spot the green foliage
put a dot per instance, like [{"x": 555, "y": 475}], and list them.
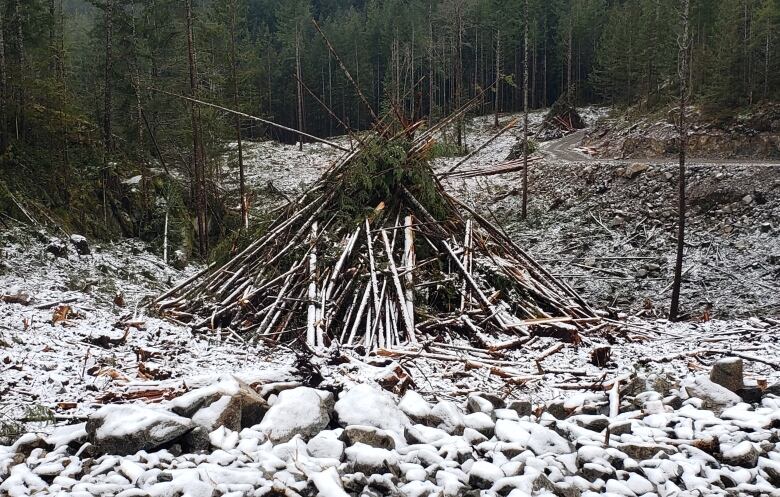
[
  {"x": 444, "y": 149},
  {"x": 378, "y": 174}
]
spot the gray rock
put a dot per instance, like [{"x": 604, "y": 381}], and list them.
[
  {"x": 727, "y": 372},
  {"x": 368, "y": 435},
  {"x": 593, "y": 471},
  {"x": 446, "y": 416},
  {"x": 326, "y": 447},
  {"x": 557, "y": 409},
  {"x": 643, "y": 451},
  {"x": 365, "y": 405},
  {"x": 483, "y": 475},
  {"x": 126, "y": 429},
  {"x": 594, "y": 422},
  {"x": 713, "y": 396},
  {"x": 522, "y": 407},
  {"x": 620, "y": 427},
  {"x": 482, "y": 402},
  {"x": 230, "y": 403},
  {"x": 57, "y": 248},
  {"x": 80, "y": 244},
  {"x": 415, "y": 406},
  {"x": 480, "y": 422},
  {"x": 370, "y": 460},
  {"x": 301, "y": 411},
  {"x": 743, "y": 454}
]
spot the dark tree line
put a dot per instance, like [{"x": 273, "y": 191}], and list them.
[{"x": 76, "y": 73}]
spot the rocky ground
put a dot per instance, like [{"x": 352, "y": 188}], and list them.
[
  {"x": 109, "y": 399},
  {"x": 649, "y": 437}
]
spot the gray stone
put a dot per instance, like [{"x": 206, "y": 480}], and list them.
[
  {"x": 230, "y": 403},
  {"x": 634, "y": 170},
  {"x": 643, "y": 451},
  {"x": 743, "y": 454},
  {"x": 370, "y": 460},
  {"x": 80, "y": 244},
  {"x": 595, "y": 423},
  {"x": 620, "y": 427},
  {"x": 727, "y": 372},
  {"x": 368, "y": 435},
  {"x": 480, "y": 422},
  {"x": 557, "y": 409},
  {"x": 301, "y": 411},
  {"x": 713, "y": 396},
  {"x": 126, "y": 429},
  {"x": 522, "y": 407},
  {"x": 446, "y": 416}
]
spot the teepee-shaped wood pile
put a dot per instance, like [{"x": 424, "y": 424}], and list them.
[{"x": 377, "y": 254}]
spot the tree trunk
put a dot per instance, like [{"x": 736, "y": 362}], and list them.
[
  {"x": 21, "y": 104},
  {"x": 674, "y": 310},
  {"x": 198, "y": 166},
  {"x": 109, "y": 20},
  {"x": 431, "y": 100},
  {"x": 3, "y": 119},
  {"x": 496, "y": 104},
  {"x": 525, "y": 113},
  {"x": 299, "y": 87},
  {"x": 234, "y": 67},
  {"x": 544, "y": 65}
]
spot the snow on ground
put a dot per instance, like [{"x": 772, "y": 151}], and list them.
[{"x": 75, "y": 336}]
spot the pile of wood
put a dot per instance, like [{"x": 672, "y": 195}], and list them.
[{"x": 375, "y": 255}]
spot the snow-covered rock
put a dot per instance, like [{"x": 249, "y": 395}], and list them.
[
  {"x": 126, "y": 429},
  {"x": 301, "y": 411},
  {"x": 366, "y": 405},
  {"x": 727, "y": 372},
  {"x": 446, "y": 416},
  {"x": 742, "y": 454},
  {"x": 484, "y": 474},
  {"x": 371, "y": 460},
  {"x": 229, "y": 402},
  {"x": 369, "y": 435},
  {"x": 539, "y": 439},
  {"x": 415, "y": 406},
  {"x": 712, "y": 395}
]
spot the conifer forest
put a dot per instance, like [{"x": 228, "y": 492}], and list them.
[{"x": 413, "y": 248}]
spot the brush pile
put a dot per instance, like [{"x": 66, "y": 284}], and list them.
[
  {"x": 561, "y": 120},
  {"x": 376, "y": 255}
]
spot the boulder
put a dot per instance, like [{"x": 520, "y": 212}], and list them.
[
  {"x": 57, "y": 248},
  {"x": 368, "y": 435},
  {"x": 641, "y": 451},
  {"x": 415, "y": 406},
  {"x": 480, "y": 422},
  {"x": 727, "y": 372},
  {"x": 634, "y": 170},
  {"x": 365, "y": 405},
  {"x": 713, "y": 396},
  {"x": 743, "y": 454},
  {"x": 80, "y": 244},
  {"x": 537, "y": 438},
  {"x": 446, "y": 416},
  {"x": 126, "y": 429},
  {"x": 230, "y": 403},
  {"x": 483, "y": 475},
  {"x": 326, "y": 445},
  {"x": 301, "y": 411},
  {"x": 369, "y": 460},
  {"x": 522, "y": 407}
]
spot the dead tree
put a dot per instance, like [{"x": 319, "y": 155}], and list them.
[
  {"x": 234, "y": 68},
  {"x": 198, "y": 166},
  {"x": 107, "y": 95},
  {"x": 525, "y": 113},
  {"x": 682, "y": 125},
  {"x": 299, "y": 88},
  {"x": 498, "y": 77}
]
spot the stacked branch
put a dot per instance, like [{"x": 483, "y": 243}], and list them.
[{"x": 376, "y": 255}]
